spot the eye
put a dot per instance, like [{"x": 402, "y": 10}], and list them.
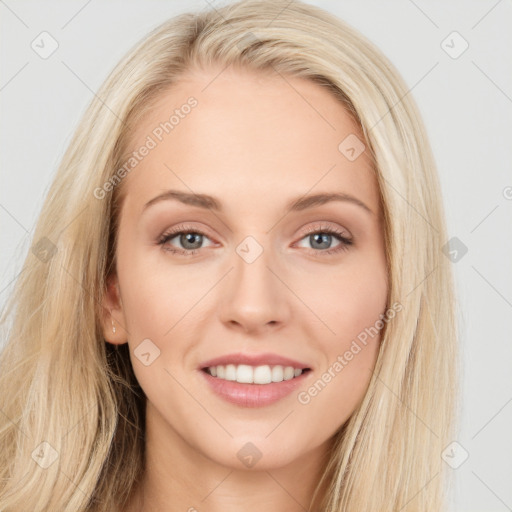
[
  {"x": 190, "y": 239},
  {"x": 320, "y": 237}
]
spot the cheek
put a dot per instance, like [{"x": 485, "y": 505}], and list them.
[
  {"x": 358, "y": 335},
  {"x": 350, "y": 303},
  {"x": 350, "y": 355},
  {"x": 347, "y": 299},
  {"x": 156, "y": 295},
  {"x": 361, "y": 301}
]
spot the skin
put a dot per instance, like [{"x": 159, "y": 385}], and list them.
[{"x": 255, "y": 141}]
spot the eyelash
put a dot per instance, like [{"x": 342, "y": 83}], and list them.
[{"x": 345, "y": 242}]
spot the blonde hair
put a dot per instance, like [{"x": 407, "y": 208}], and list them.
[{"x": 63, "y": 385}]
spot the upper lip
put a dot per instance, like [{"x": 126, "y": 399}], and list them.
[{"x": 253, "y": 360}]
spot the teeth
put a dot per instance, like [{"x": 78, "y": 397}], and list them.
[
  {"x": 277, "y": 374},
  {"x": 262, "y": 375},
  {"x": 230, "y": 372},
  {"x": 246, "y": 374}
]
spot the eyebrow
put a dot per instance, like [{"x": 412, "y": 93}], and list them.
[{"x": 211, "y": 203}]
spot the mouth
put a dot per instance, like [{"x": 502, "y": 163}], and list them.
[
  {"x": 248, "y": 374},
  {"x": 251, "y": 386}
]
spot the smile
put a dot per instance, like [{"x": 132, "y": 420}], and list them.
[{"x": 247, "y": 374}]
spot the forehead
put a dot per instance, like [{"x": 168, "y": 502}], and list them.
[{"x": 251, "y": 135}]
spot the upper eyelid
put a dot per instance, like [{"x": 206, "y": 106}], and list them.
[{"x": 319, "y": 228}]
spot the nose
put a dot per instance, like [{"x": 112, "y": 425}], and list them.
[{"x": 254, "y": 297}]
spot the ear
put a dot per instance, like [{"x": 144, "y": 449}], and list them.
[{"x": 113, "y": 314}]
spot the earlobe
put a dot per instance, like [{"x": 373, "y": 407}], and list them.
[{"x": 113, "y": 320}]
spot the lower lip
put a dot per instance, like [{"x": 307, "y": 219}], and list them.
[{"x": 253, "y": 395}]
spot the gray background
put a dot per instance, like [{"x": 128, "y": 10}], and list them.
[{"x": 465, "y": 102}]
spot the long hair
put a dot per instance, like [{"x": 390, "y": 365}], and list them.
[{"x": 72, "y": 414}]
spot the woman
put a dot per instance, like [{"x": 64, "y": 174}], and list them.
[{"x": 179, "y": 340}]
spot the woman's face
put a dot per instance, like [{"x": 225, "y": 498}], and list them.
[{"x": 249, "y": 275}]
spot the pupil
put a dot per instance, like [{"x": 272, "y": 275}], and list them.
[
  {"x": 189, "y": 239},
  {"x": 323, "y": 238}
]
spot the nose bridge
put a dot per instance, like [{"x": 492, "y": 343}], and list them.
[
  {"x": 254, "y": 296},
  {"x": 252, "y": 277},
  {"x": 251, "y": 265}
]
